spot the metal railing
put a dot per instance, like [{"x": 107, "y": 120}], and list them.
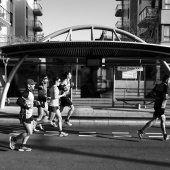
[
  {"x": 37, "y": 7},
  {"x": 37, "y": 25},
  {"x": 4, "y": 14},
  {"x": 9, "y": 39},
  {"x": 148, "y": 12}
]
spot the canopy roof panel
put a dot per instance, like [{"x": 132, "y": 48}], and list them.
[{"x": 102, "y": 49}]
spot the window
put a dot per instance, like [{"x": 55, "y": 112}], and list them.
[
  {"x": 26, "y": 31},
  {"x": 11, "y": 18},
  {"x": 27, "y": 12},
  {"x": 167, "y": 4},
  {"x": 166, "y": 33}
]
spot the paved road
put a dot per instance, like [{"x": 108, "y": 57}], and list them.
[{"x": 87, "y": 148}]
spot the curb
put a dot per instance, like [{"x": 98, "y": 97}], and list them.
[{"x": 94, "y": 122}]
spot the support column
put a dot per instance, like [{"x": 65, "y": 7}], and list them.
[
  {"x": 113, "y": 92},
  {"x": 8, "y": 82},
  {"x": 165, "y": 65}
]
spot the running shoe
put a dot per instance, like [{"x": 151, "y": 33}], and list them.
[
  {"x": 53, "y": 124},
  {"x": 166, "y": 137},
  {"x": 12, "y": 142},
  {"x": 140, "y": 133},
  {"x": 67, "y": 123},
  {"x": 63, "y": 134},
  {"x": 36, "y": 130},
  {"x": 41, "y": 128},
  {"x": 24, "y": 148}
]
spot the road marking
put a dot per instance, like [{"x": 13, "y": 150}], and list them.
[
  {"x": 88, "y": 135},
  {"x": 13, "y": 134},
  {"x": 155, "y": 136},
  {"x": 153, "y": 133},
  {"x": 87, "y": 132},
  {"x": 120, "y": 132},
  {"x": 128, "y": 136}
]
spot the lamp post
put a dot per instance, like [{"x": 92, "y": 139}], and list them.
[{"x": 5, "y": 61}]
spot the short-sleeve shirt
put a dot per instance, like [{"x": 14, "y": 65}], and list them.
[
  {"x": 29, "y": 99},
  {"x": 160, "y": 90}
]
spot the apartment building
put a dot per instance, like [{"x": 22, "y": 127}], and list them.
[
  {"x": 7, "y": 24},
  {"x": 149, "y": 20},
  {"x": 19, "y": 21},
  {"x": 18, "y": 24},
  {"x": 27, "y": 25}
]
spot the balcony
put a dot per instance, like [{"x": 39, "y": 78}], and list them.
[
  {"x": 4, "y": 17},
  {"x": 37, "y": 11},
  {"x": 119, "y": 24},
  {"x": 119, "y": 10},
  {"x": 147, "y": 17},
  {"x": 10, "y": 39},
  {"x": 37, "y": 26}
]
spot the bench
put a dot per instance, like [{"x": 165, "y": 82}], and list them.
[{"x": 137, "y": 101}]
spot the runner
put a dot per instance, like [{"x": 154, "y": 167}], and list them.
[
  {"x": 42, "y": 102},
  {"x": 54, "y": 104},
  {"x": 26, "y": 104},
  {"x": 161, "y": 91},
  {"x": 65, "y": 101}
]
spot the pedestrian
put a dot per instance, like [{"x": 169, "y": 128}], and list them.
[
  {"x": 54, "y": 104},
  {"x": 161, "y": 92},
  {"x": 65, "y": 100},
  {"x": 25, "y": 116},
  {"x": 42, "y": 104}
]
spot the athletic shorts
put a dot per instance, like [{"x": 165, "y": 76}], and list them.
[
  {"x": 53, "y": 108},
  {"x": 28, "y": 120},
  {"x": 65, "y": 101},
  {"x": 158, "y": 111}
]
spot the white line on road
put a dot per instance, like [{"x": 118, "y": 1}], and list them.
[
  {"x": 13, "y": 134},
  {"x": 128, "y": 136},
  {"x": 153, "y": 133},
  {"x": 87, "y": 132},
  {"x": 88, "y": 135},
  {"x": 120, "y": 132},
  {"x": 155, "y": 136}
]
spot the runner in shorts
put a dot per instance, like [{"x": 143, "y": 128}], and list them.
[
  {"x": 161, "y": 92},
  {"x": 42, "y": 102},
  {"x": 25, "y": 117},
  {"x": 65, "y": 101},
  {"x": 54, "y": 104}
]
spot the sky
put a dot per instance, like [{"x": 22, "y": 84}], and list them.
[{"x": 60, "y": 14}]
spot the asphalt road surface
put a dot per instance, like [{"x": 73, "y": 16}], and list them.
[{"x": 87, "y": 148}]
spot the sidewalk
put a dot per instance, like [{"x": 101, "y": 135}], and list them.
[{"x": 86, "y": 115}]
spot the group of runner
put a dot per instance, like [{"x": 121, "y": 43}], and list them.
[{"x": 59, "y": 98}]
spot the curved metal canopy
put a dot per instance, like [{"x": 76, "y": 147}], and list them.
[
  {"x": 111, "y": 50},
  {"x": 115, "y": 49}
]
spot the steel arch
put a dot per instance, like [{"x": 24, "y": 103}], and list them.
[{"x": 69, "y": 30}]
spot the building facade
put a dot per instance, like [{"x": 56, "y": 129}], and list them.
[{"x": 19, "y": 23}]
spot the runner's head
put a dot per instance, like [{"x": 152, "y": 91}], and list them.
[
  {"x": 30, "y": 83},
  {"x": 165, "y": 78},
  {"x": 67, "y": 75},
  {"x": 44, "y": 78}
]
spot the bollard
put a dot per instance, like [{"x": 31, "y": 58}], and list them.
[{"x": 138, "y": 106}]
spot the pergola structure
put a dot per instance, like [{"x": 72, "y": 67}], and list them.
[{"x": 116, "y": 50}]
